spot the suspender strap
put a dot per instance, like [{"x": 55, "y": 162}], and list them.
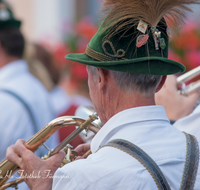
[
  {"x": 25, "y": 105},
  {"x": 191, "y": 163},
  {"x": 144, "y": 159}
]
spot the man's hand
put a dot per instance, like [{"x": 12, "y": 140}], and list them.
[
  {"x": 176, "y": 105},
  {"x": 82, "y": 149},
  {"x": 38, "y": 173}
]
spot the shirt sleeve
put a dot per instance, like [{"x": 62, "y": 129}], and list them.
[{"x": 190, "y": 124}]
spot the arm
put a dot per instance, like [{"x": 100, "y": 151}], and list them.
[
  {"x": 176, "y": 105},
  {"x": 31, "y": 166}
]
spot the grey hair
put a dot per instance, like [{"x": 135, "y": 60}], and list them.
[{"x": 145, "y": 84}]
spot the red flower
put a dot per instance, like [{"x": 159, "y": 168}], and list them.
[
  {"x": 193, "y": 59},
  {"x": 86, "y": 29},
  {"x": 174, "y": 56},
  {"x": 59, "y": 55}
]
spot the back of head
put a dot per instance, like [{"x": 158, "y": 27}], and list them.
[
  {"x": 145, "y": 84},
  {"x": 12, "y": 42},
  {"x": 11, "y": 38}
]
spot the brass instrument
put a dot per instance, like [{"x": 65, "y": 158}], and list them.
[
  {"x": 188, "y": 89},
  {"x": 41, "y": 136},
  {"x": 85, "y": 135}
]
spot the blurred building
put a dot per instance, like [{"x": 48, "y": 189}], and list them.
[{"x": 49, "y": 19}]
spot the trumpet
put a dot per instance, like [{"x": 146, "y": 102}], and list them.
[
  {"x": 188, "y": 89},
  {"x": 41, "y": 136}
]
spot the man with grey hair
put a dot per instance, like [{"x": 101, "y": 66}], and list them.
[{"x": 137, "y": 148}]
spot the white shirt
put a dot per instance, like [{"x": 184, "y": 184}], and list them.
[
  {"x": 190, "y": 123},
  {"x": 110, "y": 168},
  {"x": 15, "y": 121},
  {"x": 62, "y": 102}
]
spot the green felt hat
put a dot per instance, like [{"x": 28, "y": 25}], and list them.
[
  {"x": 7, "y": 19},
  {"x": 131, "y": 50}
]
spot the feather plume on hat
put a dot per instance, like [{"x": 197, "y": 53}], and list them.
[
  {"x": 134, "y": 37},
  {"x": 124, "y": 14}
]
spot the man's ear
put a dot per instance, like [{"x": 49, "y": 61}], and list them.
[
  {"x": 162, "y": 82},
  {"x": 102, "y": 77}
]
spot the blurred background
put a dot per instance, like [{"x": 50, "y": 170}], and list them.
[
  {"x": 44, "y": 19},
  {"x": 185, "y": 41},
  {"x": 61, "y": 26},
  {"x": 52, "y": 29}
]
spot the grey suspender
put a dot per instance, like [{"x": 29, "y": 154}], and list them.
[
  {"x": 190, "y": 168},
  {"x": 144, "y": 159},
  {"x": 191, "y": 163},
  {"x": 35, "y": 130}
]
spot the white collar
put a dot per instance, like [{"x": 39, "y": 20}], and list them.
[
  {"x": 197, "y": 109},
  {"x": 132, "y": 115},
  {"x": 12, "y": 69}
]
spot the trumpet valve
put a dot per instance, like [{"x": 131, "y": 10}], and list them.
[
  {"x": 45, "y": 157},
  {"x": 182, "y": 88},
  {"x": 70, "y": 154}
]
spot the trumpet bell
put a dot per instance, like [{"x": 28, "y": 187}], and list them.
[
  {"x": 84, "y": 112},
  {"x": 181, "y": 80}
]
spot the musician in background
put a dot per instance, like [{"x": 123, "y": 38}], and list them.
[
  {"x": 41, "y": 65},
  {"x": 74, "y": 83},
  {"x": 180, "y": 108},
  {"x": 127, "y": 64},
  {"x": 25, "y": 105}
]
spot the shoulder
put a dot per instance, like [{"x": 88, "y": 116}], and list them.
[
  {"x": 190, "y": 124},
  {"x": 27, "y": 86},
  {"x": 10, "y": 102},
  {"x": 13, "y": 113}
]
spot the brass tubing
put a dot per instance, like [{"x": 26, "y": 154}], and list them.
[
  {"x": 40, "y": 137},
  {"x": 65, "y": 141},
  {"x": 74, "y": 134},
  {"x": 189, "y": 75}
]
